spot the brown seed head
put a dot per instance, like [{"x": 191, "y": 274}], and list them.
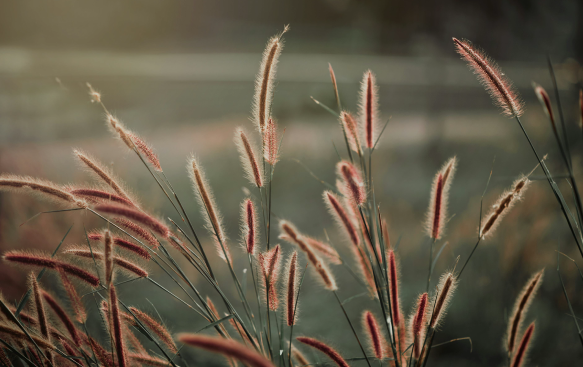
[
  {"x": 270, "y": 262},
  {"x": 249, "y": 227},
  {"x": 437, "y": 212},
  {"x": 520, "y": 356},
  {"x": 520, "y": 308},
  {"x": 138, "y": 231},
  {"x": 135, "y": 216},
  {"x": 226, "y": 347},
  {"x": 160, "y": 330},
  {"x": 293, "y": 285},
  {"x": 116, "y": 323},
  {"x": 210, "y": 211},
  {"x": 324, "y": 348},
  {"x": 44, "y": 189},
  {"x": 45, "y": 261},
  {"x": 122, "y": 263},
  {"x": 264, "y": 81},
  {"x": 341, "y": 217},
  {"x": 63, "y": 317},
  {"x": 418, "y": 324},
  {"x": 351, "y": 130},
  {"x": 146, "y": 151},
  {"x": 376, "y": 339},
  {"x": 248, "y": 158},
  {"x": 271, "y": 143},
  {"x": 353, "y": 180},
  {"x": 103, "y": 173},
  {"x": 445, "y": 290},
  {"x": 292, "y": 235},
  {"x": 369, "y": 108},
  {"x": 503, "y": 206},
  {"x": 491, "y": 77}
]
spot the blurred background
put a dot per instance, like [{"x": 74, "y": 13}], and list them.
[{"x": 181, "y": 74}]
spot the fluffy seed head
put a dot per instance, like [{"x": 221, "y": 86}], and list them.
[
  {"x": 74, "y": 298},
  {"x": 120, "y": 347},
  {"x": 136, "y": 216},
  {"x": 369, "y": 108},
  {"x": 45, "y": 261},
  {"x": 437, "y": 212},
  {"x": 491, "y": 77},
  {"x": 226, "y": 347},
  {"x": 341, "y": 217},
  {"x": 96, "y": 196},
  {"x": 351, "y": 130},
  {"x": 503, "y": 206},
  {"x": 18, "y": 335},
  {"x": 520, "y": 356},
  {"x": 418, "y": 324},
  {"x": 292, "y": 235},
  {"x": 324, "y": 249},
  {"x": 119, "y": 130},
  {"x": 248, "y": 158},
  {"x": 39, "y": 306},
  {"x": 138, "y": 231},
  {"x": 123, "y": 243},
  {"x": 271, "y": 143},
  {"x": 104, "y": 174},
  {"x": 121, "y": 263},
  {"x": 108, "y": 257},
  {"x": 394, "y": 288},
  {"x": 299, "y": 357},
  {"x": 324, "y": 348},
  {"x": 209, "y": 211},
  {"x": 160, "y": 330},
  {"x": 264, "y": 81},
  {"x": 545, "y": 101},
  {"x": 146, "y": 150},
  {"x": 63, "y": 317},
  {"x": 270, "y": 262},
  {"x": 520, "y": 308},
  {"x": 44, "y": 189},
  {"x": 293, "y": 285},
  {"x": 445, "y": 290},
  {"x": 376, "y": 339},
  {"x": 249, "y": 227},
  {"x": 353, "y": 180}
]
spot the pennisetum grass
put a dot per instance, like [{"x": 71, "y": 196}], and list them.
[
  {"x": 520, "y": 308},
  {"x": 377, "y": 342},
  {"x": 292, "y": 290},
  {"x": 229, "y": 348},
  {"x": 133, "y": 236},
  {"x": 324, "y": 348},
  {"x": 520, "y": 356}
]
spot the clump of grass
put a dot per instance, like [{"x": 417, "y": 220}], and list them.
[{"x": 264, "y": 331}]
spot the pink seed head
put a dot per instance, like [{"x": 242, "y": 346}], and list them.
[
  {"x": 491, "y": 77},
  {"x": 353, "y": 180}
]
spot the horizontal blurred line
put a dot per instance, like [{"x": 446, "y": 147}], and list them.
[{"x": 242, "y": 67}]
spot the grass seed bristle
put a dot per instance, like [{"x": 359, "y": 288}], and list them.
[
  {"x": 209, "y": 211},
  {"x": 491, "y": 77},
  {"x": 521, "y": 306},
  {"x": 324, "y": 348},
  {"x": 248, "y": 158},
  {"x": 226, "y": 347},
  {"x": 292, "y": 235}
]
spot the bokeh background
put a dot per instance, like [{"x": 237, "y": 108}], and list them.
[{"x": 181, "y": 73}]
